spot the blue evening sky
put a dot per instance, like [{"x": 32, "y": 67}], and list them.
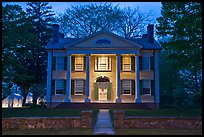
[{"x": 60, "y": 7}]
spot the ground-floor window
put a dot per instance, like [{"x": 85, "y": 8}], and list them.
[
  {"x": 78, "y": 86},
  {"x": 126, "y": 87},
  {"x": 59, "y": 86},
  {"x": 146, "y": 86}
]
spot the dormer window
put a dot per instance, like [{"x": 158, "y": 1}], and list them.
[{"x": 103, "y": 41}]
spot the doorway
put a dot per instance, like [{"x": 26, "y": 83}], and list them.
[{"x": 103, "y": 89}]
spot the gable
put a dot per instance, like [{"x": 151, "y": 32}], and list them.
[{"x": 103, "y": 39}]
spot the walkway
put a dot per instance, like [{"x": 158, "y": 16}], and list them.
[{"x": 103, "y": 124}]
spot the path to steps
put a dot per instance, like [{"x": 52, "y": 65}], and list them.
[{"x": 103, "y": 124}]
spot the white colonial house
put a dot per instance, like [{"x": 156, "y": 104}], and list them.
[{"x": 103, "y": 68}]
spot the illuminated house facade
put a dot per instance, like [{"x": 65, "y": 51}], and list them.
[{"x": 103, "y": 67}]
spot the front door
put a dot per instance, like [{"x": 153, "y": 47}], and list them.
[{"x": 102, "y": 91}]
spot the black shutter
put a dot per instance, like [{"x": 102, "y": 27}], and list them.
[
  {"x": 65, "y": 63},
  {"x": 141, "y": 87},
  {"x": 53, "y": 87},
  {"x": 121, "y": 62},
  {"x": 133, "y": 87},
  {"x": 53, "y": 62},
  {"x": 152, "y": 88},
  {"x": 84, "y": 63},
  {"x": 132, "y": 63},
  {"x": 73, "y": 63},
  {"x": 152, "y": 63},
  {"x": 84, "y": 87},
  {"x": 121, "y": 87},
  {"x": 72, "y": 86},
  {"x": 65, "y": 87},
  {"x": 140, "y": 62}
]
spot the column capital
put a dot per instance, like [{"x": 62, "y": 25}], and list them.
[{"x": 87, "y": 54}]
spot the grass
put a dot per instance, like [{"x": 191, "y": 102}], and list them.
[
  {"x": 139, "y": 131},
  {"x": 70, "y": 131},
  {"x": 42, "y": 112},
  {"x": 172, "y": 112}
]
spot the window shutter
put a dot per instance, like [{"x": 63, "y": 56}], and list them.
[
  {"x": 84, "y": 87},
  {"x": 53, "y": 87},
  {"x": 72, "y": 63},
  {"x": 133, "y": 87},
  {"x": 152, "y": 88},
  {"x": 121, "y": 87},
  {"x": 65, "y": 87},
  {"x": 96, "y": 90},
  {"x": 152, "y": 63},
  {"x": 53, "y": 62},
  {"x": 65, "y": 63},
  {"x": 109, "y": 86},
  {"x": 84, "y": 63},
  {"x": 121, "y": 62},
  {"x": 140, "y": 62},
  {"x": 72, "y": 86},
  {"x": 141, "y": 87},
  {"x": 132, "y": 63}
]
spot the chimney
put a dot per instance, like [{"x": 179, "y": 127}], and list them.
[
  {"x": 150, "y": 33},
  {"x": 55, "y": 32}
]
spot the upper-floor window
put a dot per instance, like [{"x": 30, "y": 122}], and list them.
[
  {"x": 59, "y": 86},
  {"x": 126, "y": 63},
  {"x": 146, "y": 86},
  {"x": 103, "y": 41},
  {"x": 103, "y": 63},
  {"x": 78, "y": 87},
  {"x": 126, "y": 87},
  {"x": 59, "y": 63},
  {"x": 145, "y": 63},
  {"x": 79, "y": 63}
]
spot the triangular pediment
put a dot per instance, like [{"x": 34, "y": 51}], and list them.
[{"x": 103, "y": 39}]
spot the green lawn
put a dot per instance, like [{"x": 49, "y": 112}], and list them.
[
  {"x": 41, "y": 112},
  {"x": 70, "y": 131},
  {"x": 175, "y": 112},
  {"x": 139, "y": 131}
]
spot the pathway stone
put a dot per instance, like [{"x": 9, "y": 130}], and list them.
[{"x": 103, "y": 124}]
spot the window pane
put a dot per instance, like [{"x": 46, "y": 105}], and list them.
[
  {"x": 79, "y": 63},
  {"x": 59, "y": 86},
  {"x": 145, "y": 63},
  {"x": 103, "y": 63},
  {"x": 126, "y": 63},
  {"x": 146, "y": 87},
  {"x": 78, "y": 87},
  {"x": 126, "y": 87},
  {"x": 59, "y": 63}
]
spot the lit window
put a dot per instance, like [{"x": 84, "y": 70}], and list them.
[
  {"x": 126, "y": 87},
  {"x": 78, "y": 87},
  {"x": 146, "y": 86},
  {"x": 126, "y": 63},
  {"x": 59, "y": 63},
  {"x": 79, "y": 63},
  {"x": 145, "y": 63},
  {"x": 59, "y": 86},
  {"x": 103, "y": 63}
]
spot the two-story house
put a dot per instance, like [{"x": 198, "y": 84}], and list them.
[{"x": 103, "y": 67}]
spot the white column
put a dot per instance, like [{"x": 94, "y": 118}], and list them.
[
  {"x": 156, "y": 80},
  {"x": 137, "y": 80},
  {"x": 118, "y": 99},
  {"x": 49, "y": 78},
  {"x": 68, "y": 83},
  {"x": 87, "y": 99}
]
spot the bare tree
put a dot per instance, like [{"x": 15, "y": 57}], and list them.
[{"x": 83, "y": 20}]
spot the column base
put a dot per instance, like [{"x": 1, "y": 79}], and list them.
[
  {"x": 87, "y": 99},
  {"x": 67, "y": 100},
  {"x": 138, "y": 100},
  {"x": 118, "y": 100}
]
